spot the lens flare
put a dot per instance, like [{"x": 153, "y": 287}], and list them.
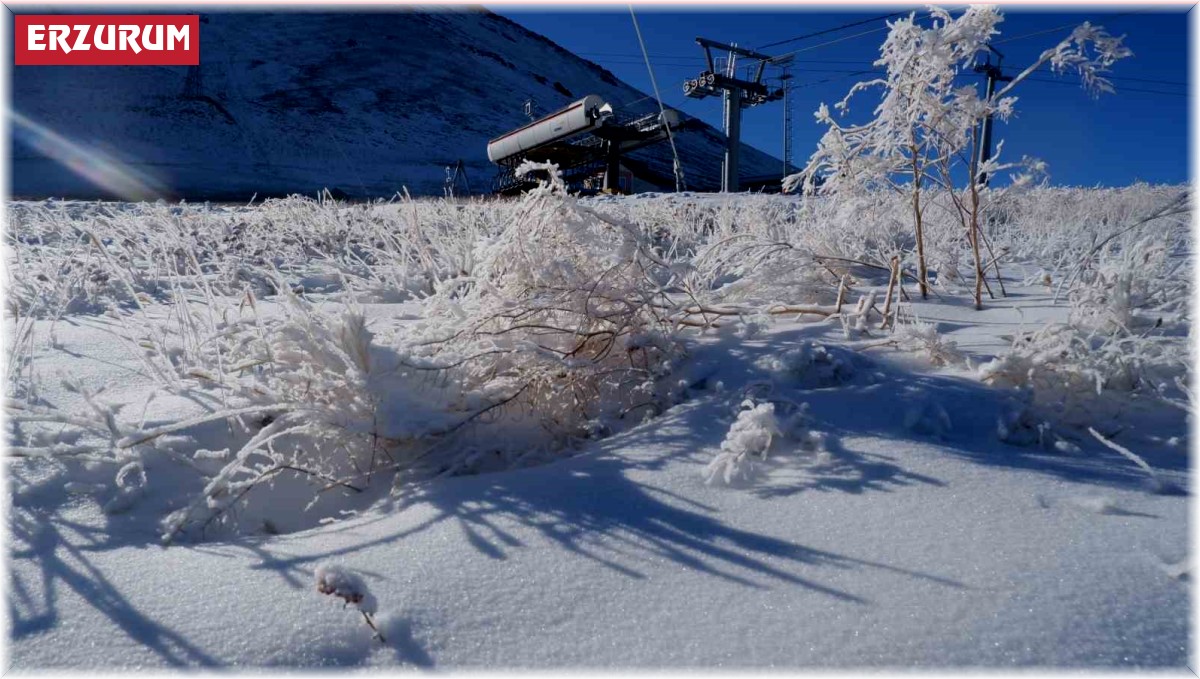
[{"x": 99, "y": 168}]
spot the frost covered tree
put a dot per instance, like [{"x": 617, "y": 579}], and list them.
[{"x": 922, "y": 134}]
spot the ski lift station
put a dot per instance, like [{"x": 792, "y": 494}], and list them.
[{"x": 587, "y": 139}]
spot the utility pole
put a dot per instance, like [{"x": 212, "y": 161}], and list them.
[
  {"x": 456, "y": 175},
  {"x": 736, "y": 93},
  {"x": 786, "y": 78},
  {"x": 994, "y": 75},
  {"x": 732, "y": 99}
]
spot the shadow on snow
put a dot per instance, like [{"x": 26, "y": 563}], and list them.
[{"x": 598, "y": 505}]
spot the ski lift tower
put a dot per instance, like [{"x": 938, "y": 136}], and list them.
[{"x": 737, "y": 93}]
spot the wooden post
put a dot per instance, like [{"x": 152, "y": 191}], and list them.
[{"x": 887, "y": 300}]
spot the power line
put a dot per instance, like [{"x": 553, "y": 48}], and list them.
[
  {"x": 857, "y": 35},
  {"x": 966, "y": 75},
  {"x": 795, "y": 39},
  {"x": 683, "y": 57},
  {"x": 1126, "y": 77},
  {"x": 832, "y": 79},
  {"x": 830, "y": 42},
  {"x": 1146, "y": 80},
  {"x": 832, "y": 30},
  {"x": 811, "y": 69},
  {"x": 1073, "y": 24},
  {"x": 689, "y": 58},
  {"x": 923, "y": 15},
  {"x": 660, "y": 65},
  {"x": 676, "y": 101},
  {"x": 1119, "y": 90},
  {"x": 851, "y": 72},
  {"x": 1123, "y": 89}
]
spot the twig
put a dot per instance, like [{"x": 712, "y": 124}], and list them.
[
  {"x": 366, "y": 616},
  {"x": 1159, "y": 484}
]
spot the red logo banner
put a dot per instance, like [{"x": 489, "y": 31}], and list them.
[{"x": 107, "y": 40}]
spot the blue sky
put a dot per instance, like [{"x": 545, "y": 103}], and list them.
[{"x": 1139, "y": 133}]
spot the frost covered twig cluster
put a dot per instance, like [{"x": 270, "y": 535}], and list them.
[{"x": 338, "y": 581}]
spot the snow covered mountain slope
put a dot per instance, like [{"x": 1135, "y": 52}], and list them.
[{"x": 365, "y": 103}]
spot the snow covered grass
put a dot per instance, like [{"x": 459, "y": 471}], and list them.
[
  {"x": 1123, "y": 262},
  {"x": 160, "y": 387},
  {"x": 308, "y": 356}
]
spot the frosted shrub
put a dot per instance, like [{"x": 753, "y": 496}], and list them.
[
  {"x": 527, "y": 327},
  {"x": 86, "y": 256},
  {"x": 1077, "y": 376},
  {"x": 811, "y": 366},
  {"x": 1058, "y": 227},
  {"x": 1142, "y": 285},
  {"x": 1127, "y": 279},
  {"x": 750, "y": 436},
  {"x": 913, "y": 334},
  {"x": 313, "y": 409},
  {"x": 552, "y": 326},
  {"x": 564, "y": 323},
  {"x": 333, "y": 409},
  {"x": 757, "y": 429}
]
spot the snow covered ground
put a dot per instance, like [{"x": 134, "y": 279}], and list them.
[{"x": 911, "y": 509}]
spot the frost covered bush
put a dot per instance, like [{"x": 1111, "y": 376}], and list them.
[
  {"x": 546, "y": 325},
  {"x": 1076, "y": 376},
  {"x": 913, "y": 334},
  {"x": 756, "y": 429},
  {"x": 1137, "y": 278},
  {"x": 513, "y": 331},
  {"x": 1058, "y": 226},
  {"x": 811, "y": 366},
  {"x": 335, "y": 410},
  {"x": 309, "y": 404},
  {"x": 750, "y": 436},
  {"x": 1124, "y": 265},
  {"x": 564, "y": 322},
  {"x": 77, "y": 256}
]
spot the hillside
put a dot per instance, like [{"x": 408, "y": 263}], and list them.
[{"x": 364, "y": 103}]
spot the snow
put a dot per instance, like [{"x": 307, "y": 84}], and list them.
[
  {"x": 908, "y": 552},
  {"x": 889, "y": 524}
]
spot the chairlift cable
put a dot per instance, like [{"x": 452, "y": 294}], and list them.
[{"x": 662, "y": 111}]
